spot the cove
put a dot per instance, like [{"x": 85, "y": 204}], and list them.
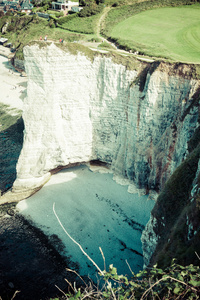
[{"x": 96, "y": 212}]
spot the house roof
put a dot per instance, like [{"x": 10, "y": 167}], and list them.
[
  {"x": 5, "y": 2},
  {"x": 26, "y": 5},
  {"x": 10, "y": 3},
  {"x": 3, "y": 40}
]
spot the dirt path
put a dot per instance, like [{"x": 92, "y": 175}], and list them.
[
  {"x": 101, "y": 20},
  {"x": 94, "y": 46},
  {"x": 122, "y": 52}
]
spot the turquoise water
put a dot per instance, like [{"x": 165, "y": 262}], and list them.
[{"x": 96, "y": 212}]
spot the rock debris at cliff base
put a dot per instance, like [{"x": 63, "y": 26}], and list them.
[{"x": 29, "y": 261}]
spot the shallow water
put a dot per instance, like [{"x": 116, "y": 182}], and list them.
[{"x": 96, "y": 212}]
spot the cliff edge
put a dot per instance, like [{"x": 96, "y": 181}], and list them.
[
  {"x": 80, "y": 109},
  {"x": 141, "y": 120}
]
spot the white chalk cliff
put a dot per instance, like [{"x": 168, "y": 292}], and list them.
[{"x": 79, "y": 109}]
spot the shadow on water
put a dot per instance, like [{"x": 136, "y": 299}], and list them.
[{"x": 29, "y": 260}]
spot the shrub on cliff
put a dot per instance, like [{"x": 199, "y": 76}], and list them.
[
  {"x": 81, "y": 25},
  {"x": 175, "y": 282},
  {"x": 90, "y": 10},
  {"x": 52, "y": 24},
  {"x": 66, "y": 19}
]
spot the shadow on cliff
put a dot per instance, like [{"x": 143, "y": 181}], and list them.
[
  {"x": 179, "y": 205},
  {"x": 9, "y": 66},
  {"x": 11, "y": 140}
]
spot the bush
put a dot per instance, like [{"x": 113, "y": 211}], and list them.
[
  {"x": 106, "y": 45},
  {"x": 19, "y": 55},
  {"x": 59, "y": 14},
  {"x": 46, "y": 7},
  {"x": 115, "y": 4},
  {"x": 176, "y": 282},
  {"x": 82, "y": 25},
  {"x": 66, "y": 19},
  {"x": 11, "y": 27},
  {"x": 52, "y": 24},
  {"x": 40, "y": 9},
  {"x": 53, "y": 17},
  {"x": 88, "y": 11},
  {"x": 9, "y": 13}
]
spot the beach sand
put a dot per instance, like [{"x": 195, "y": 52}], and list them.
[{"x": 12, "y": 86}]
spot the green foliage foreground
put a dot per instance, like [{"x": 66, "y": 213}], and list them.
[{"x": 175, "y": 282}]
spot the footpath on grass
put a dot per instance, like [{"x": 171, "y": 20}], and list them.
[
  {"x": 100, "y": 46},
  {"x": 95, "y": 46},
  {"x": 101, "y": 20}
]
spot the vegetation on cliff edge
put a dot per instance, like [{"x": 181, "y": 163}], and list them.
[
  {"x": 22, "y": 29},
  {"x": 175, "y": 282}
]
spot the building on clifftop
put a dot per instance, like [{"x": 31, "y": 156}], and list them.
[
  {"x": 26, "y": 6},
  {"x": 64, "y": 5}
]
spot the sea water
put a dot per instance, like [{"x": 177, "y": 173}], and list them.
[{"x": 97, "y": 213}]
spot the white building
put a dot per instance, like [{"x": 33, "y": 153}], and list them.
[{"x": 64, "y": 5}]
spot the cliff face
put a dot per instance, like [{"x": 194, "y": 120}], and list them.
[
  {"x": 11, "y": 139},
  {"x": 79, "y": 109},
  {"x": 173, "y": 230},
  {"x": 143, "y": 122}
]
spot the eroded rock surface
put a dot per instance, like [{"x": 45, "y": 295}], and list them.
[
  {"x": 77, "y": 110},
  {"x": 139, "y": 121}
]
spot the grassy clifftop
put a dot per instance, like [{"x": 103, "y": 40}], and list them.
[
  {"x": 168, "y": 29},
  {"x": 130, "y": 24}
]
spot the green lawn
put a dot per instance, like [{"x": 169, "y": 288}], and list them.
[
  {"x": 82, "y": 25},
  {"x": 171, "y": 32}
]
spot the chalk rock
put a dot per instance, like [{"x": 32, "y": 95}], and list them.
[{"x": 79, "y": 109}]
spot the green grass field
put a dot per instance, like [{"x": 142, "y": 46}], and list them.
[
  {"x": 170, "y": 32},
  {"x": 82, "y": 25}
]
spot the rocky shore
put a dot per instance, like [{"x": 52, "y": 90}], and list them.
[{"x": 29, "y": 263}]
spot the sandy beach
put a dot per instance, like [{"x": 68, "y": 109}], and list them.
[{"x": 12, "y": 85}]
